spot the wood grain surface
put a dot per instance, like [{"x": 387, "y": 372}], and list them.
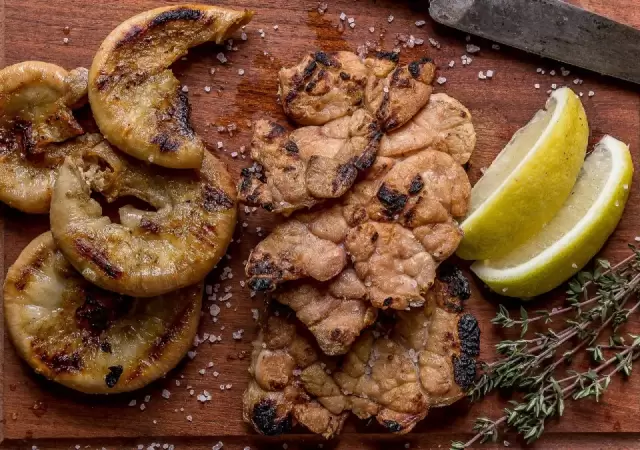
[{"x": 36, "y": 412}]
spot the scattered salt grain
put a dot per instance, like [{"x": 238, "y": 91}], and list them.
[
  {"x": 434, "y": 43},
  {"x": 537, "y": 86},
  {"x": 482, "y": 76},
  {"x": 214, "y": 310},
  {"x": 185, "y": 88},
  {"x": 237, "y": 335},
  {"x": 190, "y": 418},
  {"x": 472, "y": 48},
  {"x": 65, "y": 40},
  {"x": 343, "y": 16},
  {"x": 372, "y": 29},
  {"x": 452, "y": 63},
  {"x": 490, "y": 73},
  {"x": 132, "y": 402},
  {"x": 539, "y": 70},
  {"x": 218, "y": 446},
  {"x": 322, "y": 7},
  {"x": 207, "y": 88},
  {"x": 255, "y": 314},
  {"x": 191, "y": 354},
  {"x": 564, "y": 71},
  {"x": 166, "y": 394},
  {"x": 210, "y": 364},
  {"x": 275, "y": 27},
  {"x": 390, "y": 19},
  {"x": 441, "y": 80},
  {"x": 220, "y": 56},
  {"x": 420, "y": 23},
  {"x": 216, "y": 374},
  {"x": 552, "y": 73},
  {"x": 243, "y": 36},
  {"x": 228, "y": 386},
  {"x": 147, "y": 398},
  {"x": 143, "y": 407},
  {"x": 495, "y": 46},
  {"x": 591, "y": 93},
  {"x": 202, "y": 371},
  {"x": 554, "y": 86},
  {"x": 240, "y": 72},
  {"x": 220, "y": 144}
]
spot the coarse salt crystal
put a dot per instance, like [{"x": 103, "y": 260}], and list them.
[
  {"x": 472, "y": 48},
  {"x": 591, "y": 93},
  {"x": 452, "y": 63},
  {"x": 243, "y": 36},
  {"x": 390, "y": 19},
  {"x": 481, "y": 75},
  {"x": 441, "y": 80},
  {"x": 343, "y": 16},
  {"x": 554, "y": 86},
  {"x": 220, "y": 56},
  {"x": 552, "y": 73},
  {"x": 275, "y": 27},
  {"x": 351, "y": 20},
  {"x": 537, "y": 86},
  {"x": 420, "y": 23},
  {"x": 352, "y": 25},
  {"x": 132, "y": 402},
  {"x": 495, "y": 46},
  {"x": 202, "y": 371},
  {"x": 65, "y": 41},
  {"x": 143, "y": 407},
  {"x": 371, "y": 29},
  {"x": 191, "y": 354},
  {"x": 240, "y": 72},
  {"x": 166, "y": 393},
  {"x": 147, "y": 398},
  {"x": 189, "y": 418},
  {"x": 185, "y": 88},
  {"x": 490, "y": 73},
  {"x": 214, "y": 310},
  {"x": 218, "y": 446}
]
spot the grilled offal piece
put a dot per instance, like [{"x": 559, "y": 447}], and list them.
[
  {"x": 88, "y": 339},
  {"x": 36, "y": 103},
  {"x": 348, "y": 105},
  {"x": 395, "y": 225},
  {"x": 427, "y": 360},
  {"x": 395, "y": 374},
  {"x": 299, "y": 169},
  {"x": 136, "y": 100},
  {"x": 289, "y": 382}
]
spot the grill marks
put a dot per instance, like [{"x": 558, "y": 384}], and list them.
[
  {"x": 215, "y": 199},
  {"x": 183, "y": 14},
  {"x": 392, "y": 200},
  {"x": 101, "y": 309},
  {"x": 265, "y": 418},
  {"x": 98, "y": 256}
]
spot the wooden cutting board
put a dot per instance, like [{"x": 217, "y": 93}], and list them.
[{"x": 35, "y": 412}]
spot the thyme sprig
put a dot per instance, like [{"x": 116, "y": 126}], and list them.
[{"x": 533, "y": 365}]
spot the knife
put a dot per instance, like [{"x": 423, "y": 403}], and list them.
[{"x": 549, "y": 28}]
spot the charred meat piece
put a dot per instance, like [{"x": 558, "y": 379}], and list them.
[
  {"x": 422, "y": 359},
  {"x": 396, "y": 228},
  {"x": 334, "y": 312},
  {"x": 426, "y": 360},
  {"x": 289, "y": 382},
  {"x": 37, "y": 128},
  {"x": 443, "y": 125},
  {"x": 136, "y": 100},
  {"x": 327, "y": 85},
  {"x": 395, "y": 99},
  {"x": 311, "y": 164}
]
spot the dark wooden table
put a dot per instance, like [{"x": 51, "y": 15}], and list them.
[{"x": 35, "y": 412}]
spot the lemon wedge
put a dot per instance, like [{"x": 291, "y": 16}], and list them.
[
  {"x": 576, "y": 233},
  {"x": 529, "y": 181}
]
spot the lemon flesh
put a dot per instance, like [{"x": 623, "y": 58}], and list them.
[
  {"x": 529, "y": 180},
  {"x": 575, "y": 235}
]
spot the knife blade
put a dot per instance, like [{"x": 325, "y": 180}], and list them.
[{"x": 549, "y": 28}]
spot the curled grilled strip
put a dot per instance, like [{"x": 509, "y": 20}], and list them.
[
  {"x": 136, "y": 100},
  {"x": 37, "y": 130}
]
